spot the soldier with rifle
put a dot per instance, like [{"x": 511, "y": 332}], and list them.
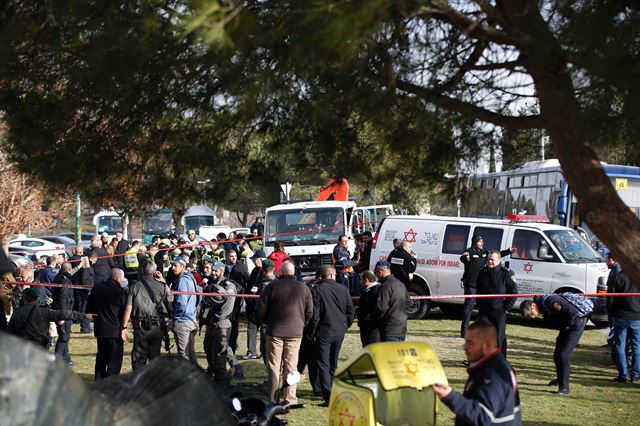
[
  {"x": 148, "y": 301},
  {"x": 215, "y": 313}
]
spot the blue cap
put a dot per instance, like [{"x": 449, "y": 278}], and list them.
[
  {"x": 179, "y": 259},
  {"x": 217, "y": 266},
  {"x": 259, "y": 254},
  {"x": 383, "y": 264}
]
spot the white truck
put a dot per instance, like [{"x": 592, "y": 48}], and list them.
[
  {"x": 110, "y": 221},
  {"x": 549, "y": 258},
  {"x": 196, "y": 217},
  {"x": 310, "y": 230}
]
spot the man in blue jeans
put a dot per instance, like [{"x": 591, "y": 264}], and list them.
[
  {"x": 625, "y": 317},
  {"x": 184, "y": 312}
]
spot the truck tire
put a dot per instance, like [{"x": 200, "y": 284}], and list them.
[{"x": 417, "y": 309}]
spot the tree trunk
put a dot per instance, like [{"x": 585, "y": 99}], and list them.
[{"x": 605, "y": 213}]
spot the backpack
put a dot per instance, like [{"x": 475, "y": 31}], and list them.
[{"x": 583, "y": 304}]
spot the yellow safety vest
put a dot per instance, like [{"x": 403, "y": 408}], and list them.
[{"x": 131, "y": 258}]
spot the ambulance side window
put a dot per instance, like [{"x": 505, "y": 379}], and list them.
[
  {"x": 492, "y": 237},
  {"x": 455, "y": 239},
  {"x": 526, "y": 244}
]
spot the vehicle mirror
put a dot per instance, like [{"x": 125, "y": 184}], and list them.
[
  {"x": 293, "y": 378},
  {"x": 543, "y": 251}
]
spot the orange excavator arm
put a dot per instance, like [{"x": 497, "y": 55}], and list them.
[{"x": 334, "y": 190}]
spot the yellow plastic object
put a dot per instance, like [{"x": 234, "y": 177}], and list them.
[{"x": 387, "y": 384}]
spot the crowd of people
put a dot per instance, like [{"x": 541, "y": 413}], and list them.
[{"x": 180, "y": 286}]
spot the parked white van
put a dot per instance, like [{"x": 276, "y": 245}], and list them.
[{"x": 549, "y": 258}]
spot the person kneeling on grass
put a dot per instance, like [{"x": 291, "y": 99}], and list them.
[{"x": 491, "y": 393}]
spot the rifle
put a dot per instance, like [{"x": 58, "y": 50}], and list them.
[{"x": 165, "y": 334}]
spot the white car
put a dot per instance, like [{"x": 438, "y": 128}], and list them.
[{"x": 35, "y": 248}]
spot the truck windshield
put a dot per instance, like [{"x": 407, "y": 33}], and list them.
[
  {"x": 195, "y": 222},
  {"x": 158, "y": 223},
  {"x": 309, "y": 226},
  {"x": 573, "y": 247},
  {"x": 109, "y": 224}
]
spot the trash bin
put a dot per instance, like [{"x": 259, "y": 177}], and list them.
[{"x": 387, "y": 384}]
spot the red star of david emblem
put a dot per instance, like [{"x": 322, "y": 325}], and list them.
[
  {"x": 410, "y": 236},
  {"x": 412, "y": 368},
  {"x": 528, "y": 267},
  {"x": 345, "y": 415}
]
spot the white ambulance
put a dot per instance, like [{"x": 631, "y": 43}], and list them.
[{"x": 549, "y": 258}]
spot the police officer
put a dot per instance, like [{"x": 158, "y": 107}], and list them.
[
  {"x": 131, "y": 261},
  {"x": 147, "y": 303},
  {"x": 563, "y": 315},
  {"x": 474, "y": 259},
  {"x": 31, "y": 321},
  {"x": 403, "y": 262},
  {"x": 216, "y": 314},
  {"x": 491, "y": 393},
  {"x": 496, "y": 279}
]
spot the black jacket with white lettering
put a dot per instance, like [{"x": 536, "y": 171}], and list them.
[
  {"x": 402, "y": 264},
  {"x": 490, "y": 395}
]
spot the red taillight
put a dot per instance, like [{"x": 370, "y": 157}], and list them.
[{"x": 374, "y": 240}]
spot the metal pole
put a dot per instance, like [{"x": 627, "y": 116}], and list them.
[{"x": 78, "y": 227}]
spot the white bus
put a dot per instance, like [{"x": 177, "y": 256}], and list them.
[{"x": 540, "y": 188}]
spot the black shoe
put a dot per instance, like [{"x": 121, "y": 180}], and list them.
[
  {"x": 466, "y": 363},
  {"x": 620, "y": 379},
  {"x": 323, "y": 404},
  {"x": 249, "y": 356},
  {"x": 561, "y": 392},
  {"x": 553, "y": 382},
  {"x": 239, "y": 373},
  {"x": 634, "y": 380}
]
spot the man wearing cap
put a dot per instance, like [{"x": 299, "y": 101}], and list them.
[
  {"x": 183, "y": 320},
  {"x": 215, "y": 313},
  {"x": 148, "y": 301},
  {"x": 474, "y": 259},
  {"x": 31, "y": 321},
  {"x": 390, "y": 313},
  {"x": 254, "y": 287}
]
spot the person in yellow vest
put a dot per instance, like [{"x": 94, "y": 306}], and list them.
[
  {"x": 131, "y": 261},
  {"x": 217, "y": 252},
  {"x": 255, "y": 240}
]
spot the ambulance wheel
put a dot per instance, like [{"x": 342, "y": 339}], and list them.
[{"x": 417, "y": 309}]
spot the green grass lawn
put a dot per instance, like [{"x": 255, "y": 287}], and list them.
[{"x": 594, "y": 399}]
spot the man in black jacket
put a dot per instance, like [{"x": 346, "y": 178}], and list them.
[
  {"x": 31, "y": 321},
  {"x": 496, "y": 279},
  {"x": 104, "y": 263},
  {"x": 107, "y": 301},
  {"x": 390, "y": 313},
  {"x": 239, "y": 274},
  {"x": 332, "y": 316},
  {"x": 369, "y": 329},
  {"x": 63, "y": 298},
  {"x": 491, "y": 393},
  {"x": 625, "y": 316},
  {"x": 474, "y": 259},
  {"x": 403, "y": 262},
  {"x": 561, "y": 314}
]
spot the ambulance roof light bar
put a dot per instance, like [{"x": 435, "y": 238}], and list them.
[{"x": 526, "y": 218}]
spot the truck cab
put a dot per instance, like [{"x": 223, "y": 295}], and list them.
[
  {"x": 310, "y": 230},
  {"x": 110, "y": 221}
]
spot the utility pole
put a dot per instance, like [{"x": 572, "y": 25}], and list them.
[{"x": 78, "y": 227}]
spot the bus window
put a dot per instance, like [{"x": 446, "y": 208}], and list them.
[
  {"x": 492, "y": 237},
  {"x": 455, "y": 239},
  {"x": 527, "y": 244}
]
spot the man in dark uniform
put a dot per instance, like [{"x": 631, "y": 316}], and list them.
[
  {"x": 496, "y": 279},
  {"x": 369, "y": 330},
  {"x": 342, "y": 261},
  {"x": 63, "y": 300},
  {"x": 391, "y": 305},
  {"x": 107, "y": 302},
  {"x": 474, "y": 259},
  {"x": 216, "y": 312},
  {"x": 561, "y": 314},
  {"x": 254, "y": 287},
  {"x": 403, "y": 262},
  {"x": 239, "y": 274},
  {"x": 104, "y": 263},
  {"x": 31, "y": 321},
  {"x": 147, "y": 303},
  {"x": 332, "y": 316},
  {"x": 491, "y": 393}
]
